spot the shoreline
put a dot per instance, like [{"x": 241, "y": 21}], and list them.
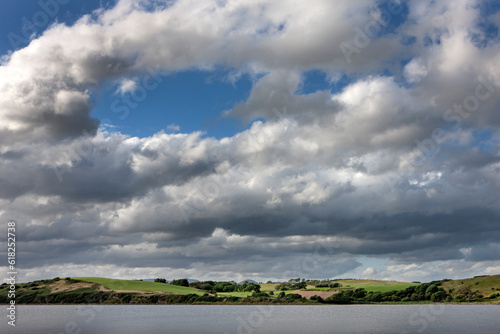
[{"x": 267, "y": 304}]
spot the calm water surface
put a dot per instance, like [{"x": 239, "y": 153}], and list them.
[{"x": 124, "y": 319}]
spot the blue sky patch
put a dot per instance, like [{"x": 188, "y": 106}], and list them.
[
  {"x": 193, "y": 100},
  {"x": 33, "y": 17},
  {"x": 318, "y": 80},
  {"x": 397, "y": 15}
]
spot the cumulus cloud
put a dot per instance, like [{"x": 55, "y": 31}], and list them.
[
  {"x": 402, "y": 163},
  {"x": 415, "y": 71},
  {"x": 174, "y": 127}
]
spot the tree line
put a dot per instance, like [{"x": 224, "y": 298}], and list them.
[
  {"x": 214, "y": 286},
  {"x": 424, "y": 292}
]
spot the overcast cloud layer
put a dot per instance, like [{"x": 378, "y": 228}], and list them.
[{"x": 395, "y": 176}]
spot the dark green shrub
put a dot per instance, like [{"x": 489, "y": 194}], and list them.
[
  {"x": 293, "y": 297},
  {"x": 260, "y": 294},
  {"x": 180, "y": 282},
  {"x": 338, "y": 298},
  {"x": 160, "y": 280},
  {"x": 317, "y": 298}
]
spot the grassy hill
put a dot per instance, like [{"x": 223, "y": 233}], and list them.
[
  {"x": 352, "y": 284},
  {"x": 128, "y": 285},
  {"x": 374, "y": 285},
  {"x": 71, "y": 291},
  {"x": 485, "y": 285},
  {"x": 85, "y": 290}
]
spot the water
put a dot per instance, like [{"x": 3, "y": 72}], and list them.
[{"x": 124, "y": 319}]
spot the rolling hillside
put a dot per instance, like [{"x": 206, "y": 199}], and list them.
[
  {"x": 128, "y": 285},
  {"x": 485, "y": 285},
  {"x": 352, "y": 284},
  {"x": 85, "y": 290},
  {"x": 374, "y": 285}
]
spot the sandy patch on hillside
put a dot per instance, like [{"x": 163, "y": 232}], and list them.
[
  {"x": 63, "y": 285},
  {"x": 103, "y": 288},
  {"x": 309, "y": 294},
  {"x": 143, "y": 292}
]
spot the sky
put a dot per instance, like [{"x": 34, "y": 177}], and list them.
[{"x": 251, "y": 139}]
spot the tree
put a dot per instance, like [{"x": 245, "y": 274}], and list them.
[
  {"x": 208, "y": 286},
  {"x": 301, "y": 285},
  {"x": 375, "y": 297},
  {"x": 160, "y": 280},
  {"x": 438, "y": 296},
  {"x": 432, "y": 289},
  {"x": 338, "y": 298},
  {"x": 259, "y": 294},
  {"x": 317, "y": 298},
  {"x": 282, "y": 287},
  {"x": 180, "y": 282},
  {"x": 226, "y": 287},
  {"x": 465, "y": 293},
  {"x": 293, "y": 297},
  {"x": 359, "y": 293}
]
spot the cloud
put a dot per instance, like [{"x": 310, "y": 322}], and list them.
[
  {"x": 127, "y": 86},
  {"x": 386, "y": 166},
  {"x": 368, "y": 272},
  {"x": 415, "y": 71},
  {"x": 174, "y": 127}
]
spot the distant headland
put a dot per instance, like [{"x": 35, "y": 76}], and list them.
[{"x": 95, "y": 290}]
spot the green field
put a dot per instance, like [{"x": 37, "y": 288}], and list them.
[
  {"x": 268, "y": 286},
  {"x": 375, "y": 286},
  {"x": 234, "y": 294},
  {"x": 351, "y": 284},
  {"x": 118, "y": 284}
]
